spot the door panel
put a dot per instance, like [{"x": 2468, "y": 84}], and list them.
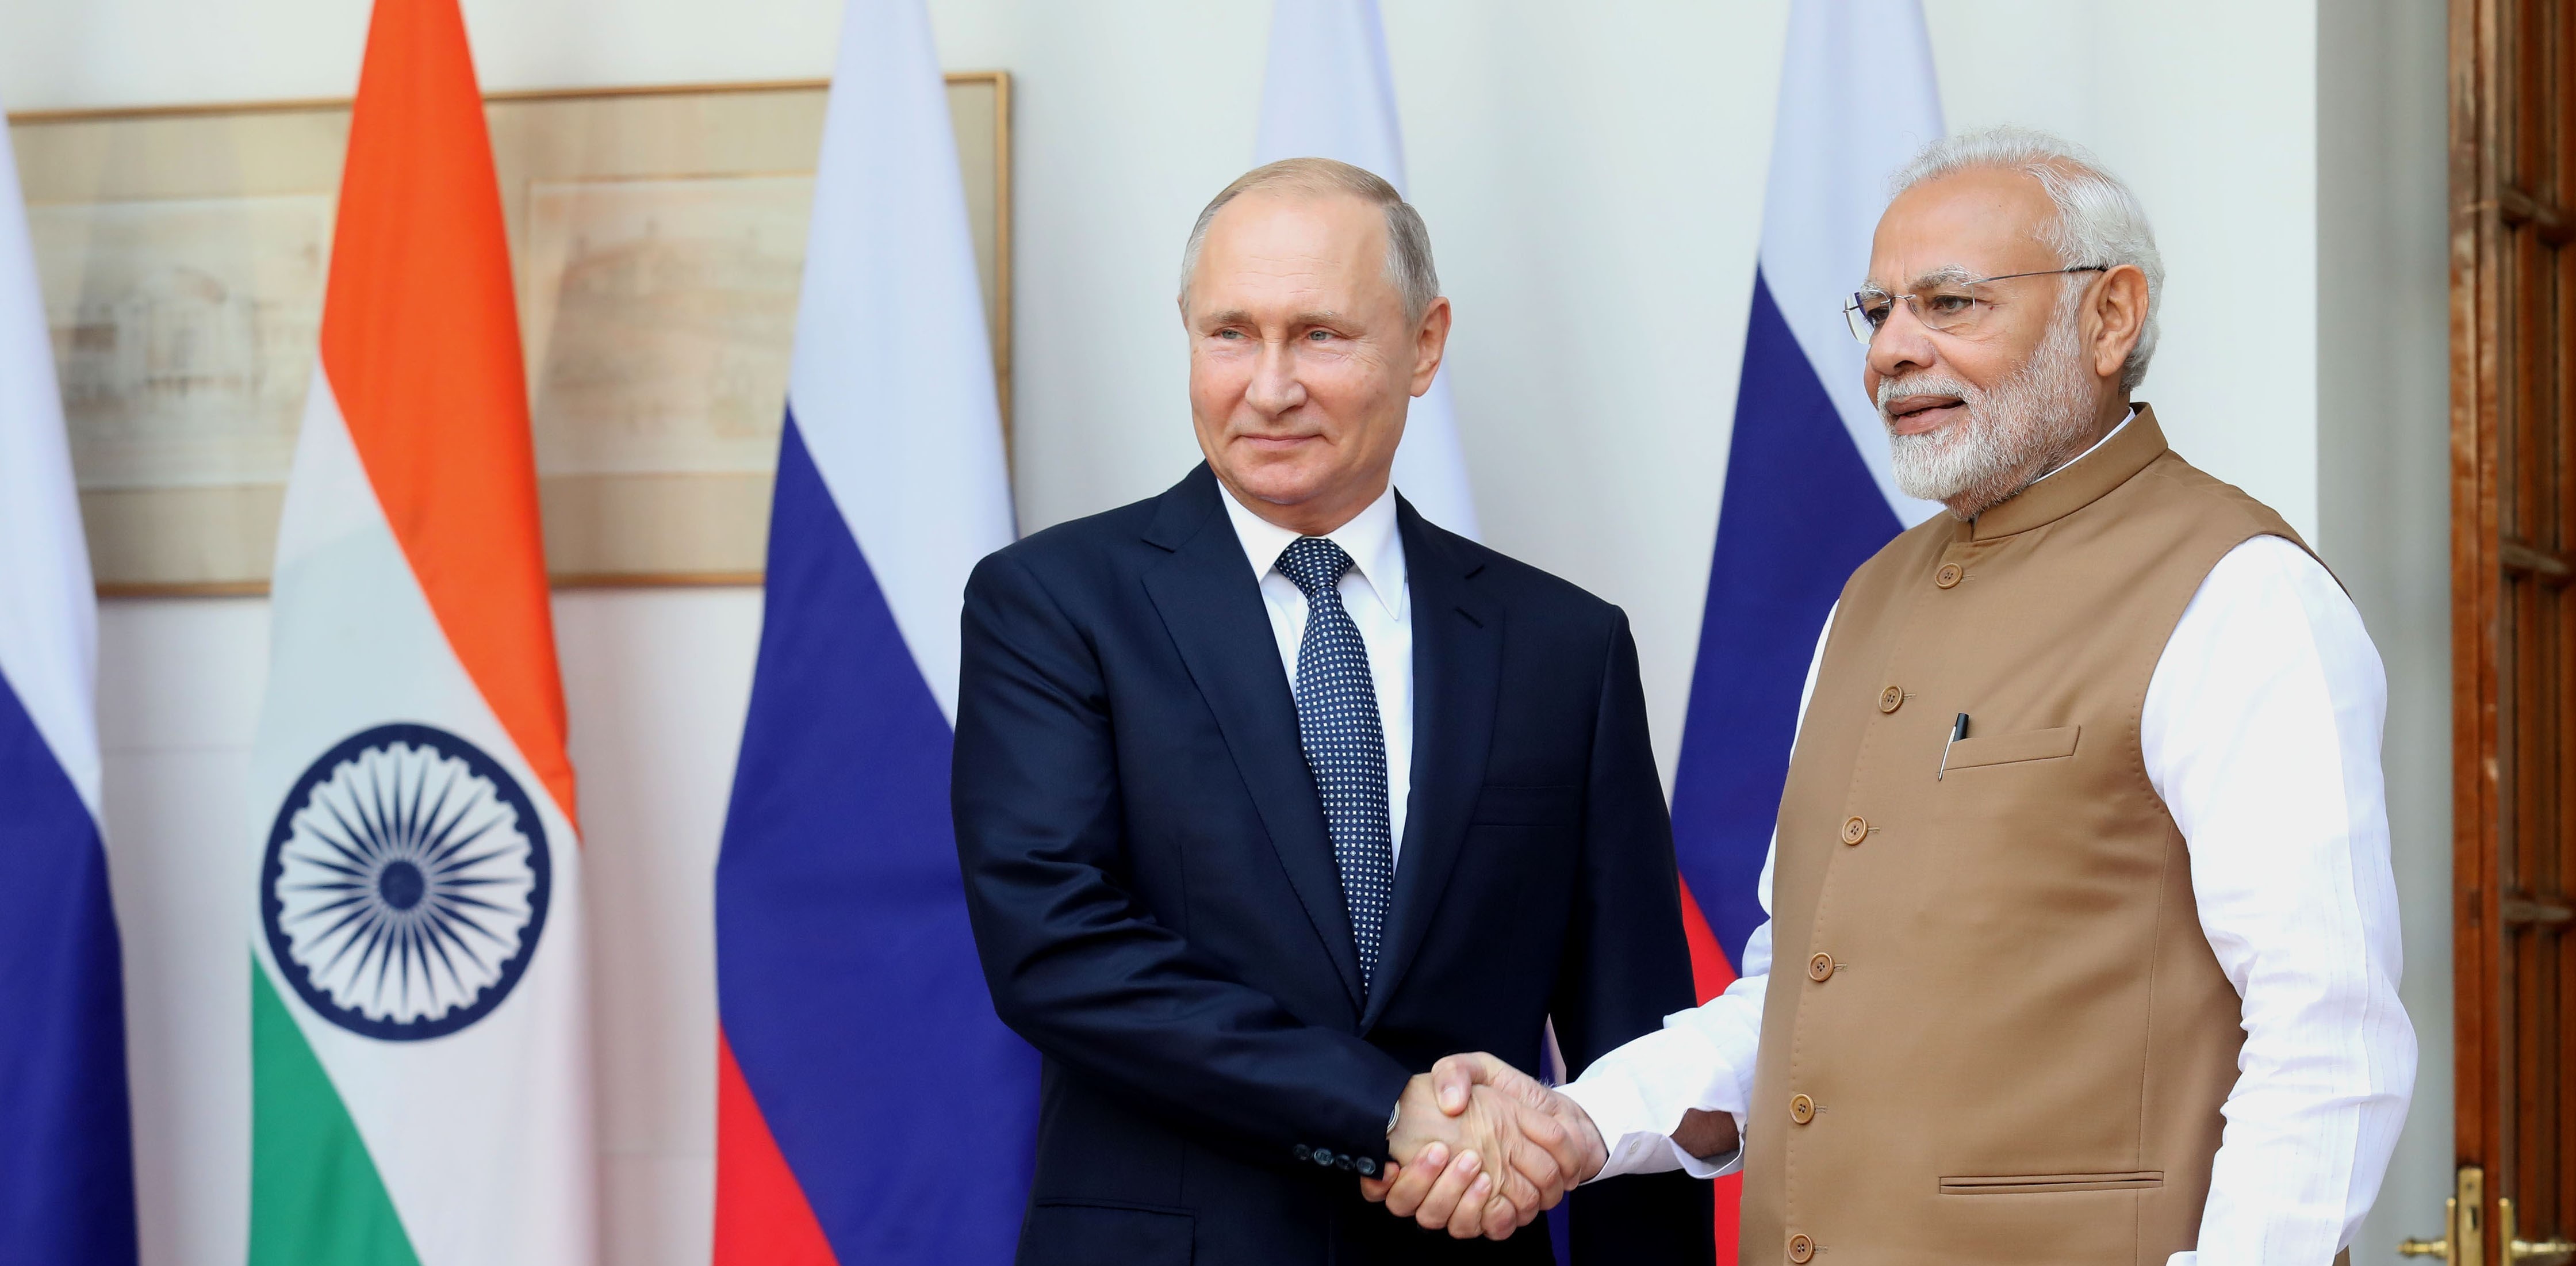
[{"x": 2513, "y": 429}]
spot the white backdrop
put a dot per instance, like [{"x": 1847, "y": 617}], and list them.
[{"x": 1591, "y": 177}]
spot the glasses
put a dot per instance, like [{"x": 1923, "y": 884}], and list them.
[{"x": 1951, "y": 307}]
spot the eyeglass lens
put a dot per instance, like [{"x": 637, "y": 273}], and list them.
[{"x": 1948, "y": 309}]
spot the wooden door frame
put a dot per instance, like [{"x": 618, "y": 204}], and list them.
[
  {"x": 2476, "y": 316},
  {"x": 2486, "y": 911}
]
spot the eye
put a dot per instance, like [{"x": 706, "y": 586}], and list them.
[
  {"x": 1874, "y": 309},
  {"x": 1319, "y": 336},
  {"x": 1949, "y": 302},
  {"x": 1230, "y": 334}
]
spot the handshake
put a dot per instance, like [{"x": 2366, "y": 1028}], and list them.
[{"x": 1481, "y": 1148}]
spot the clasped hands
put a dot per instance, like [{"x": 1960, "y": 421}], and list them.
[{"x": 1481, "y": 1148}]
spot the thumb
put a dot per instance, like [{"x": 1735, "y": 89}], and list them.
[
  {"x": 1375, "y": 1189},
  {"x": 1452, "y": 1076}
]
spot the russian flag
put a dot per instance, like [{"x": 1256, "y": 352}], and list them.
[
  {"x": 1809, "y": 495},
  {"x": 66, "y": 1150},
  {"x": 870, "y": 1106}
]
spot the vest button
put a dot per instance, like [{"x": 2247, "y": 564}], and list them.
[
  {"x": 1890, "y": 699},
  {"x": 1820, "y": 967},
  {"x": 1948, "y": 576},
  {"x": 1801, "y": 1249},
  {"x": 1854, "y": 830},
  {"x": 1802, "y": 1109}
]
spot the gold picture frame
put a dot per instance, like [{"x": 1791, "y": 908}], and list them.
[{"x": 657, "y": 236}]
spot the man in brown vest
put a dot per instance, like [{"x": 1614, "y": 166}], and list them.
[{"x": 2080, "y": 887}]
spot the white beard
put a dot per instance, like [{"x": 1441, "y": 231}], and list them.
[{"x": 2011, "y": 435}]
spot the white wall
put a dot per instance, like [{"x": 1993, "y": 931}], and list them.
[
  {"x": 1592, "y": 178},
  {"x": 2383, "y": 455}
]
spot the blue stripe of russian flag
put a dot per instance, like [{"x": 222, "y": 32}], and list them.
[
  {"x": 66, "y": 1173},
  {"x": 1800, "y": 512},
  {"x": 66, "y": 1149}
]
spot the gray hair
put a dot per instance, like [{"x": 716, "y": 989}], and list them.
[
  {"x": 1408, "y": 242},
  {"x": 2099, "y": 219}
]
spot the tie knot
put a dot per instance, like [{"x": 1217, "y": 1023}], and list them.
[{"x": 1313, "y": 564}]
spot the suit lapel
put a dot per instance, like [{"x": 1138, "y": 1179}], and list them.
[
  {"x": 1211, "y": 604},
  {"x": 1457, "y": 670}
]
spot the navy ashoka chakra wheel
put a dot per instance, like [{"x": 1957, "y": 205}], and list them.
[{"x": 405, "y": 883}]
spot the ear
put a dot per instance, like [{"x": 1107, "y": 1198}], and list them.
[
  {"x": 2118, "y": 315},
  {"x": 1430, "y": 344}
]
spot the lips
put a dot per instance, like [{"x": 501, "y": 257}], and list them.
[{"x": 1917, "y": 415}]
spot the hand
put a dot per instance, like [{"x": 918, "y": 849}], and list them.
[
  {"x": 1706, "y": 1134},
  {"x": 1480, "y": 1150},
  {"x": 1550, "y": 1145}
]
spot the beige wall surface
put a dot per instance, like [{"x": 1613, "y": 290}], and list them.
[{"x": 1592, "y": 175}]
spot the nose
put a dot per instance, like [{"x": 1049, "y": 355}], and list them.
[
  {"x": 1902, "y": 344},
  {"x": 1275, "y": 387}
]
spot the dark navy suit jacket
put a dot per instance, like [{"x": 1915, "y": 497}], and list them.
[{"x": 1155, "y": 902}]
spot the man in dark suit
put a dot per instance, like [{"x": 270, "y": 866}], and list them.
[{"x": 1270, "y": 793}]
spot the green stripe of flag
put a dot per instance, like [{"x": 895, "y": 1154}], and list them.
[{"x": 315, "y": 1197}]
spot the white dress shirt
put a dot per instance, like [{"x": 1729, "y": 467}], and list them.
[
  {"x": 1374, "y": 593},
  {"x": 2261, "y": 732}
]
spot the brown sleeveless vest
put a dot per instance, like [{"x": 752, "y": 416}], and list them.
[{"x": 1995, "y": 1032}]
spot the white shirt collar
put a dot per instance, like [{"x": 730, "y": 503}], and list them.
[
  {"x": 1370, "y": 538},
  {"x": 2124, "y": 425}
]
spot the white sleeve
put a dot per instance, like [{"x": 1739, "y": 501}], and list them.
[
  {"x": 2261, "y": 733},
  {"x": 1702, "y": 1058}
]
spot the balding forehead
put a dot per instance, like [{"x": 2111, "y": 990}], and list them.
[{"x": 1962, "y": 226}]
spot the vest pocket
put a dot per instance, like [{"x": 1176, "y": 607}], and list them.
[
  {"x": 2035, "y": 1184},
  {"x": 2009, "y": 749}
]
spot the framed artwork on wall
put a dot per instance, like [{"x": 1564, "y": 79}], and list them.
[{"x": 658, "y": 240}]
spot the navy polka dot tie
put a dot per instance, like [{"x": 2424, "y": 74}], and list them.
[{"x": 1345, "y": 745}]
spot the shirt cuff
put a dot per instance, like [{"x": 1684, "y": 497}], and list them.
[{"x": 1635, "y": 1143}]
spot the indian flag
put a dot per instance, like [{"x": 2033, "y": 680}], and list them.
[{"x": 419, "y": 1064}]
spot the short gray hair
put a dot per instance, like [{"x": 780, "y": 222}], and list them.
[
  {"x": 2099, "y": 219},
  {"x": 1408, "y": 242}
]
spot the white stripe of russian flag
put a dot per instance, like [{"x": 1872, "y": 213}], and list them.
[{"x": 1857, "y": 99}]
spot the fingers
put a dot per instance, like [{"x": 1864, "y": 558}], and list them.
[
  {"x": 1502, "y": 1218},
  {"x": 1529, "y": 1175},
  {"x": 1374, "y": 1190},
  {"x": 1468, "y": 1221},
  {"x": 1463, "y": 1185},
  {"x": 1517, "y": 1187},
  {"x": 1592, "y": 1150},
  {"x": 1412, "y": 1183},
  {"x": 1568, "y": 1150}
]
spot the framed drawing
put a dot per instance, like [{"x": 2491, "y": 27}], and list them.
[{"x": 658, "y": 238}]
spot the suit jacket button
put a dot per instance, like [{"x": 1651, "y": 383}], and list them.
[
  {"x": 1343, "y": 1162},
  {"x": 1890, "y": 699},
  {"x": 1802, "y": 1109},
  {"x": 1855, "y": 830},
  {"x": 1368, "y": 1168},
  {"x": 1820, "y": 967},
  {"x": 1303, "y": 1152},
  {"x": 1801, "y": 1249},
  {"x": 1323, "y": 1158},
  {"x": 1949, "y": 576}
]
